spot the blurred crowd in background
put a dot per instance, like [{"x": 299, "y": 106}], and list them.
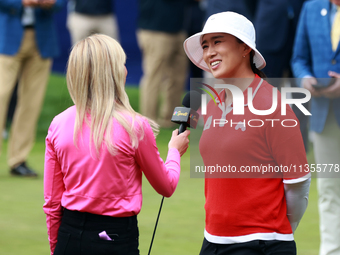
[{"x": 128, "y": 21}]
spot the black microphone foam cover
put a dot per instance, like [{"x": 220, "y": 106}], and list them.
[{"x": 192, "y": 100}]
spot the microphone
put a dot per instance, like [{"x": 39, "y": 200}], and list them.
[{"x": 187, "y": 116}]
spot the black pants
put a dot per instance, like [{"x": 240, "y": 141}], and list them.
[
  {"x": 78, "y": 235},
  {"x": 256, "y": 247}
]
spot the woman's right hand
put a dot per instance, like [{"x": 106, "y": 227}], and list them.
[{"x": 179, "y": 141}]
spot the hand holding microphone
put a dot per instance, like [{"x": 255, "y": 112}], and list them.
[{"x": 179, "y": 141}]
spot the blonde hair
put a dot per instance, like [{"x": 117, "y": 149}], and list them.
[{"x": 96, "y": 83}]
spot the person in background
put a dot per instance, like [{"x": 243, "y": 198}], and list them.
[
  {"x": 246, "y": 213},
  {"x": 96, "y": 153},
  {"x": 275, "y": 42},
  {"x": 160, "y": 34},
  {"x": 28, "y": 44},
  {"x": 246, "y": 8},
  {"x": 316, "y": 60},
  {"x": 86, "y": 17},
  {"x": 11, "y": 109}
]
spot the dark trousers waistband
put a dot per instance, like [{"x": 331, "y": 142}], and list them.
[{"x": 85, "y": 216}]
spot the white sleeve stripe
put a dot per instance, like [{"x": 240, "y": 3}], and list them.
[{"x": 301, "y": 179}]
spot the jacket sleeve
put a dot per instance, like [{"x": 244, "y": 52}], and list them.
[
  {"x": 301, "y": 60},
  {"x": 163, "y": 177},
  {"x": 53, "y": 191},
  {"x": 11, "y": 5},
  {"x": 59, "y": 4}
]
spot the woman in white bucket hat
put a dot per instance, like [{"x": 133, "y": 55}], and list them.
[
  {"x": 227, "y": 23},
  {"x": 254, "y": 201}
]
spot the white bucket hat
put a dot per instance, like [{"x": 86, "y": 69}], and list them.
[{"x": 223, "y": 22}]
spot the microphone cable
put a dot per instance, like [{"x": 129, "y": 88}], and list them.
[{"x": 154, "y": 231}]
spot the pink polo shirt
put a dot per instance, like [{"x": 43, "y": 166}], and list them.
[{"x": 110, "y": 185}]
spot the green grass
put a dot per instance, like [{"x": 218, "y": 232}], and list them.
[{"x": 181, "y": 225}]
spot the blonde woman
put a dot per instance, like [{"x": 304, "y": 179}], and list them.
[{"x": 96, "y": 152}]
